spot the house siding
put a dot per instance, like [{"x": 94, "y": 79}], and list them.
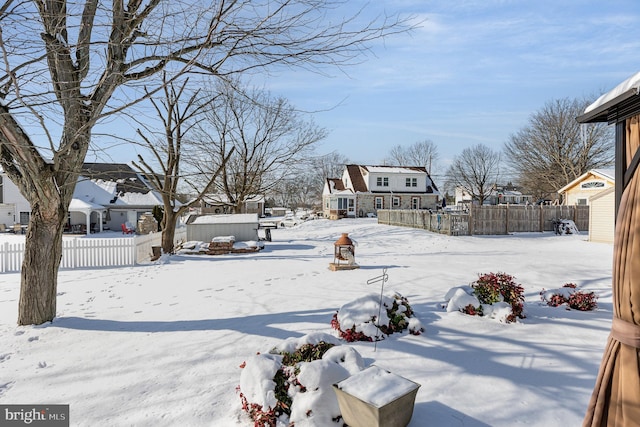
[
  {"x": 574, "y": 192},
  {"x": 10, "y": 212},
  {"x": 601, "y": 216}
]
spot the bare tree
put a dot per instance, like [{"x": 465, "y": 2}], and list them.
[
  {"x": 271, "y": 142},
  {"x": 554, "y": 149},
  {"x": 421, "y": 153},
  {"x": 178, "y": 117},
  {"x": 476, "y": 171},
  {"x": 65, "y": 66}
]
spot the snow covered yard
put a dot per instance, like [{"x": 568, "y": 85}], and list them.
[{"x": 161, "y": 344}]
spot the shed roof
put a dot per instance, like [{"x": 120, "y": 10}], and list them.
[{"x": 227, "y": 219}]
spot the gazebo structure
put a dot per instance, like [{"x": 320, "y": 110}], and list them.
[
  {"x": 87, "y": 208},
  {"x": 615, "y": 401}
]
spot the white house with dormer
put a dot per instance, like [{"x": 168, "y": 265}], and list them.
[{"x": 363, "y": 190}]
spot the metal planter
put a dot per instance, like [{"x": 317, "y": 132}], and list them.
[{"x": 391, "y": 406}]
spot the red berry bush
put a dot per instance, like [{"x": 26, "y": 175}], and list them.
[
  {"x": 496, "y": 287},
  {"x": 569, "y": 296}
]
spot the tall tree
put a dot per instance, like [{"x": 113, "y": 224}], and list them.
[
  {"x": 421, "y": 153},
  {"x": 553, "y": 149},
  {"x": 65, "y": 66},
  {"x": 270, "y": 138},
  {"x": 476, "y": 171},
  {"x": 178, "y": 116}
]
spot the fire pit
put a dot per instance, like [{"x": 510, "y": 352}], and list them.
[{"x": 344, "y": 254}]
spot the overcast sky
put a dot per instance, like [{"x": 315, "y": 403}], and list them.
[{"x": 472, "y": 72}]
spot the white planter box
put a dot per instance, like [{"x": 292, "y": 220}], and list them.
[{"x": 375, "y": 397}]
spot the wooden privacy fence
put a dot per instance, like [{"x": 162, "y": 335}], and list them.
[
  {"x": 488, "y": 220},
  {"x": 93, "y": 252}
]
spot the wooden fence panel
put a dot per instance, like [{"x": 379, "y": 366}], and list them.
[{"x": 488, "y": 220}]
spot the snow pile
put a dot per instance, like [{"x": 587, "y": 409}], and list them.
[
  {"x": 292, "y": 384},
  {"x": 372, "y": 316},
  {"x": 462, "y": 298}
]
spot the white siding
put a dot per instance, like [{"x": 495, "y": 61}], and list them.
[{"x": 601, "y": 216}]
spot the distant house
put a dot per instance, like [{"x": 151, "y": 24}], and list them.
[
  {"x": 498, "y": 195},
  {"x": 106, "y": 196},
  {"x": 363, "y": 190},
  {"x": 578, "y": 191},
  {"x": 220, "y": 204}
]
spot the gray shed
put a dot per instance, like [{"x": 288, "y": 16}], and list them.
[{"x": 244, "y": 227}]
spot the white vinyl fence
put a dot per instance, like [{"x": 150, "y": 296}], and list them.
[{"x": 94, "y": 252}]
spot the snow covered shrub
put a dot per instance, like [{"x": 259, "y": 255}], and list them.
[
  {"x": 293, "y": 382},
  {"x": 573, "y": 298},
  {"x": 493, "y": 295},
  {"x": 498, "y": 287},
  {"x": 358, "y": 320}
]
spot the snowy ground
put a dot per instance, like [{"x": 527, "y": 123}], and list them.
[{"x": 161, "y": 344}]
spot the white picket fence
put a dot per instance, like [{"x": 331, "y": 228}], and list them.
[{"x": 90, "y": 253}]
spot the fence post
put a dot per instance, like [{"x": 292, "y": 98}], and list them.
[
  {"x": 5, "y": 257},
  {"x": 506, "y": 220}
]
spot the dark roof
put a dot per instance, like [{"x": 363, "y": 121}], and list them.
[
  {"x": 337, "y": 184},
  {"x": 127, "y": 180},
  {"x": 357, "y": 181}
]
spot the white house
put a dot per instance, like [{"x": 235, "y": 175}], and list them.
[
  {"x": 363, "y": 190},
  {"x": 106, "y": 196}
]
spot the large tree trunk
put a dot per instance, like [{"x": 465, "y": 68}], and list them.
[
  {"x": 168, "y": 230},
  {"x": 42, "y": 256}
]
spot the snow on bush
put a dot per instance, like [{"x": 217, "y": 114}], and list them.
[
  {"x": 292, "y": 384},
  {"x": 365, "y": 319},
  {"x": 493, "y": 295},
  {"x": 571, "y": 297}
]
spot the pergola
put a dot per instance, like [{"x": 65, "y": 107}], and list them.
[
  {"x": 87, "y": 208},
  {"x": 615, "y": 401}
]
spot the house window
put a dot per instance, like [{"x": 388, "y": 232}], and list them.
[
  {"x": 351, "y": 203},
  {"x": 24, "y": 217},
  {"x": 379, "y": 203},
  {"x": 415, "y": 203},
  {"x": 342, "y": 203},
  {"x": 382, "y": 181},
  {"x": 593, "y": 184},
  {"x": 395, "y": 202},
  {"x": 411, "y": 182},
  {"x": 581, "y": 202}
]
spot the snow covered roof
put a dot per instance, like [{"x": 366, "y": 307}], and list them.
[
  {"x": 395, "y": 169},
  {"x": 114, "y": 184},
  {"x": 598, "y": 111},
  {"x": 227, "y": 219},
  {"x": 78, "y": 205}
]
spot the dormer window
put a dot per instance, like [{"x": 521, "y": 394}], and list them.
[
  {"x": 411, "y": 182},
  {"x": 382, "y": 181}
]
